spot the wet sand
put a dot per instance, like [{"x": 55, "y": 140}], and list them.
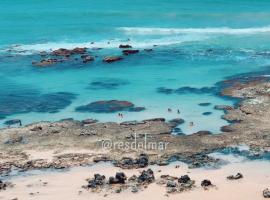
[{"x": 67, "y": 185}]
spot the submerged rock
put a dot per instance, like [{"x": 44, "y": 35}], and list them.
[
  {"x": 109, "y": 106},
  {"x": 176, "y": 122},
  {"x": 87, "y": 58},
  {"x": 207, "y": 113},
  {"x": 46, "y": 62},
  {"x": 204, "y": 104},
  {"x": 131, "y": 51},
  {"x": 13, "y": 122}
]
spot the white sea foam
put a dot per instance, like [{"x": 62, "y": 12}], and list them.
[
  {"x": 214, "y": 30},
  {"x": 106, "y": 44}
]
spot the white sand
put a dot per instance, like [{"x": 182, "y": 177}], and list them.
[{"x": 66, "y": 185}]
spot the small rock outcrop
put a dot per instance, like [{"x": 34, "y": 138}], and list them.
[
  {"x": 235, "y": 177},
  {"x": 111, "y": 59},
  {"x": 266, "y": 193}
]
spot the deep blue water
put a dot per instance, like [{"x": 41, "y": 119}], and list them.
[{"x": 200, "y": 42}]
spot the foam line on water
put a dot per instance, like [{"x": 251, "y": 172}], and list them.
[
  {"x": 213, "y": 30},
  {"x": 106, "y": 44}
]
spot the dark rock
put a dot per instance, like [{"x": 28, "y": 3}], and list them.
[
  {"x": 89, "y": 121},
  {"x": 235, "y": 177},
  {"x": 26, "y": 101},
  {"x": 142, "y": 161},
  {"x": 187, "y": 90},
  {"x": 184, "y": 179},
  {"x": 131, "y": 51},
  {"x": 201, "y": 133},
  {"x": 165, "y": 90},
  {"x": 136, "y": 109},
  {"x": 109, "y": 106},
  {"x": 204, "y": 104},
  {"x": 3, "y": 185},
  {"x": 266, "y": 193},
  {"x": 125, "y": 46},
  {"x": 171, "y": 184},
  {"x": 67, "y": 52},
  {"x": 44, "y": 63},
  {"x": 148, "y": 50},
  {"x": 226, "y": 129},
  {"x": 127, "y": 163},
  {"x": 97, "y": 181},
  {"x": 206, "y": 183},
  {"x": 155, "y": 120},
  {"x": 13, "y": 122},
  {"x": 120, "y": 177},
  {"x": 146, "y": 176},
  {"x": 108, "y": 84},
  {"x": 111, "y": 59},
  {"x": 176, "y": 122},
  {"x": 207, "y": 113}
]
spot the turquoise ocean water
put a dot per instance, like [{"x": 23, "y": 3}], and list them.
[{"x": 199, "y": 43}]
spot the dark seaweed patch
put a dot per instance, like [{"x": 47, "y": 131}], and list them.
[
  {"x": 25, "y": 101},
  {"x": 109, "y": 106},
  {"x": 108, "y": 84}
]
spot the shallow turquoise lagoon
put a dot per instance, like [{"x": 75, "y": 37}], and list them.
[{"x": 195, "y": 44}]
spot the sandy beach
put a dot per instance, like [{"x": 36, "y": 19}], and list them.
[{"x": 68, "y": 185}]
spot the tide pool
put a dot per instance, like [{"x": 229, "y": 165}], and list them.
[{"x": 195, "y": 44}]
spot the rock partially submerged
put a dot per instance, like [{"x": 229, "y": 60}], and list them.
[
  {"x": 111, "y": 59},
  {"x": 46, "y": 62},
  {"x": 67, "y": 52},
  {"x": 130, "y": 51},
  {"x": 125, "y": 46},
  {"x": 87, "y": 58},
  {"x": 13, "y": 122}
]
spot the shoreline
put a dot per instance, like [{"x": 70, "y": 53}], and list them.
[
  {"x": 69, "y": 144},
  {"x": 54, "y": 185}
]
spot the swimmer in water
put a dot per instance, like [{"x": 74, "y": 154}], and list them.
[
  {"x": 191, "y": 124},
  {"x": 178, "y": 111},
  {"x": 169, "y": 110}
]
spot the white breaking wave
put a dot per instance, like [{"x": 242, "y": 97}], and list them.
[
  {"x": 172, "y": 31},
  {"x": 27, "y": 49}
]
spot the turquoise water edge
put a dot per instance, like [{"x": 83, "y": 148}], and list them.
[{"x": 195, "y": 44}]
